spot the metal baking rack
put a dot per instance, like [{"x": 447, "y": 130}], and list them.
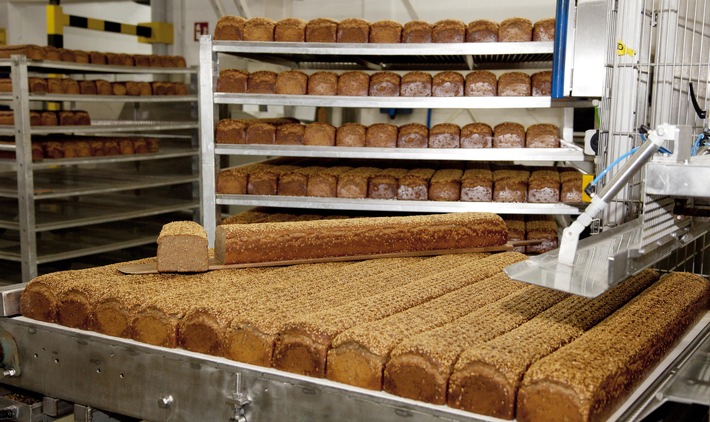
[{"x": 88, "y": 68}]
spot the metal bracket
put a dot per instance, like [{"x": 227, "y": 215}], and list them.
[
  {"x": 10, "y": 356},
  {"x": 239, "y": 400}
]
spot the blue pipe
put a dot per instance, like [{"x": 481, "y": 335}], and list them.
[{"x": 558, "y": 57}]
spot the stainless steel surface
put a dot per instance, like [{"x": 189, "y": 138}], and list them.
[
  {"x": 113, "y": 98},
  {"x": 679, "y": 179},
  {"x": 55, "y": 407},
  {"x": 588, "y": 61},
  {"x": 10, "y": 299},
  {"x": 164, "y": 153},
  {"x": 602, "y": 260},
  {"x": 21, "y": 412},
  {"x": 208, "y": 168},
  {"x": 4, "y": 147},
  {"x": 114, "y": 126},
  {"x": 393, "y": 205},
  {"x": 568, "y": 152},
  {"x": 70, "y": 67}
]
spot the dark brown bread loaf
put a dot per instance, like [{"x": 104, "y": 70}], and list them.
[
  {"x": 415, "y": 84},
  {"x": 229, "y": 131},
  {"x": 232, "y": 80},
  {"x": 416, "y": 32},
  {"x": 414, "y": 185},
  {"x": 103, "y": 87},
  {"x": 324, "y": 184},
  {"x": 353, "y": 183},
  {"x": 448, "y": 31},
  {"x": 261, "y": 133},
  {"x": 482, "y": 31},
  {"x": 353, "y": 30},
  {"x": 259, "y": 29},
  {"x": 510, "y": 185},
  {"x": 514, "y": 84},
  {"x": 544, "y": 30},
  {"x": 262, "y": 82},
  {"x": 289, "y": 134},
  {"x": 383, "y": 184},
  {"x": 544, "y": 229},
  {"x": 351, "y": 135},
  {"x": 182, "y": 247},
  {"x": 541, "y": 83},
  {"x": 509, "y": 135},
  {"x": 291, "y": 82},
  {"x": 386, "y": 31},
  {"x": 477, "y": 185},
  {"x": 571, "y": 185},
  {"x": 87, "y": 87},
  {"x": 445, "y": 185},
  {"x": 515, "y": 30},
  {"x": 381, "y": 135},
  {"x": 354, "y": 83},
  {"x": 444, "y": 135},
  {"x": 320, "y": 134},
  {"x": 384, "y": 84},
  {"x": 290, "y": 30},
  {"x": 413, "y": 135},
  {"x": 542, "y": 135},
  {"x": 322, "y": 30},
  {"x": 323, "y": 83},
  {"x": 544, "y": 186},
  {"x": 476, "y": 135},
  {"x": 481, "y": 83},
  {"x": 447, "y": 84}
]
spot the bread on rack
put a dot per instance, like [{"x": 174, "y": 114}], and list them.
[
  {"x": 53, "y": 149},
  {"x": 260, "y": 133},
  {"x": 262, "y": 82},
  {"x": 415, "y": 84},
  {"x": 322, "y": 30},
  {"x": 516, "y": 230},
  {"x": 487, "y": 376},
  {"x": 81, "y": 56},
  {"x": 414, "y": 185},
  {"x": 323, "y": 83},
  {"x": 290, "y": 30},
  {"x": 354, "y": 83},
  {"x": 353, "y": 30},
  {"x": 445, "y": 185},
  {"x": 31, "y": 51},
  {"x": 264, "y": 179},
  {"x": 476, "y": 135},
  {"x": 444, "y": 135},
  {"x": 514, "y": 84},
  {"x": 182, "y": 248},
  {"x": 447, "y": 84},
  {"x": 66, "y": 55},
  {"x": 544, "y": 30},
  {"x": 509, "y": 135},
  {"x": 544, "y": 186},
  {"x": 385, "y": 32},
  {"x": 97, "y": 57},
  {"x": 588, "y": 378},
  {"x": 477, "y": 185},
  {"x": 232, "y": 80},
  {"x": 481, "y": 83},
  {"x": 70, "y": 86},
  {"x": 295, "y": 182},
  {"x": 289, "y": 134},
  {"x": 351, "y": 135},
  {"x": 541, "y": 228},
  {"x": 119, "y": 88},
  {"x": 381, "y": 135},
  {"x": 384, "y": 183},
  {"x": 448, "y": 31},
  {"x": 103, "y": 87},
  {"x": 87, "y": 88},
  {"x": 233, "y": 180},
  {"x": 482, "y": 30},
  {"x": 541, "y": 83},
  {"x": 291, "y": 82},
  {"x": 542, "y": 135},
  {"x": 354, "y": 182},
  {"x": 510, "y": 185},
  {"x": 413, "y": 135},
  {"x": 126, "y": 146},
  {"x": 324, "y": 184},
  {"x": 515, "y": 30},
  {"x": 571, "y": 185},
  {"x": 384, "y": 84},
  {"x": 259, "y": 29},
  {"x": 230, "y": 28},
  {"x": 54, "y": 86},
  {"x": 319, "y": 134},
  {"x": 417, "y": 32}
]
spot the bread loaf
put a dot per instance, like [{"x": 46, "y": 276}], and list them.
[
  {"x": 516, "y": 230},
  {"x": 481, "y": 83},
  {"x": 544, "y": 186},
  {"x": 97, "y": 57},
  {"x": 571, "y": 186},
  {"x": 305, "y": 341},
  {"x": 324, "y": 184},
  {"x": 323, "y": 83},
  {"x": 544, "y": 30},
  {"x": 103, "y": 87},
  {"x": 182, "y": 248},
  {"x": 416, "y": 84},
  {"x": 354, "y": 182},
  {"x": 31, "y": 51},
  {"x": 541, "y": 83},
  {"x": 70, "y": 86},
  {"x": 353, "y": 30},
  {"x": 320, "y": 134},
  {"x": 515, "y": 30},
  {"x": 87, "y": 88},
  {"x": 322, "y": 30},
  {"x": 260, "y": 133},
  {"x": 444, "y": 135},
  {"x": 351, "y": 135},
  {"x": 445, "y": 185},
  {"x": 384, "y": 183},
  {"x": 482, "y": 31},
  {"x": 486, "y": 377},
  {"x": 447, "y": 84},
  {"x": 356, "y": 236},
  {"x": 385, "y": 31},
  {"x": 477, "y": 185},
  {"x": 48, "y": 118},
  {"x": 232, "y": 80},
  {"x": 384, "y": 84},
  {"x": 413, "y": 135},
  {"x": 359, "y": 354},
  {"x": 510, "y": 185},
  {"x": 414, "y": 185},
  {"x": 262, "y": 82},
  {"x": 229, "y": 131},
  {"x": 509, "y": 135},
  {"x": 587, "y": 379},
  {"x": 290, "y": 30},
  {"x": 420, "y": 366},
  {"x": 542, "y": 135},
  {"x": 381, "y": 135},
  {"x": 417, "y": 32},
  {"x": 354, "y": 83},
  {"x": 230, "y": 28},
  {"x": 81, "y": 56},
  {"x": 289, "y": 134},
  {"x": 295, "y": 182},
  {"x": 514, "y": 84},
  {"x": 259, "y": 29},
  {"x": 233, "y": 180},
  {"x": 476, "y": 135},
  {"x": 54, "y": 86},
  {"x": 543, "y": 229},
  {"x": 263, "y": 180},
  {"x": 448, "y": 31},
  {"x": 291, "y": 82}
]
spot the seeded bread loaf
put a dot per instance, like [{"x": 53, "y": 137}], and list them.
[
  {"x": 354, "y": 83},
  {"x": 476, "y": 135},
  {"x": 291, "y": 82},
  {"x": 259, "y": 29},
  {"x": 318, "y": 133},
  {"x": 514, "y": 84},
  {"x": 544, "y": 186},
  {"x": 232, "y": 80},
  {"x": 445, "y": 185},
  {"x": 323, "y": 83},
  {"x": 353, "y": 30},
  {"x": 541, "y": 83},
  {"x": 290, "y": 30},
  {"x": 544, "y": 30},
  {"x": 481, "y": 83},
  {"x": 384, "y": 183},
  {"x": 182, "y": 248},
  {"x": 385, "y": 31},
  {"x": 381, "y": 135},
  {"x": 515, "y": 30},
  {"x": 477, "y": 185},
  {"x": 353, "y": 183},
  {"x": 414, "y": 185},
  {"x": 509, "y": 135},
  {"x": 415, "y": 84},
  {"x": 289, "y": 134},
  {"x": 230, "y": 28},
  {"x": 448, "y": 31},
  {"x": 384, "y": 84},
  {"x": 324, "y": 184},
  {"x": 447, "y": 84},
  {"x": 482, "y": 30},
  {"x": 262, "y": 82},
  {"x": 322, "y": 30},
  {"x": 417, "y": 32},
  {"x": 444, "y": 135},
  {"x": 542, "y": 135}
]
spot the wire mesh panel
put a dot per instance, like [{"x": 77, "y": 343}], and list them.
[{"x": 657, "y": 50}]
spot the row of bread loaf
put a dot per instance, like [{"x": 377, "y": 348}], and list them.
[
  {"x": 477, "y": 183},
  {"x": 384, "y": 135},
  {"x": 56, "y": 147},
  {"x": 449, "y": 330},
  {"x": 356, "y": 30},
  {"x": 98, "y": 87},
  {"x": 479, "y": 83},
  {"x": 50, "y": 118},
  {"x": 36, "y": 52}
]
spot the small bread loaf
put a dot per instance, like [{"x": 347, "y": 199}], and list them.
[
  {"x": 70, "y": 86},
  {"x": 476, "y": 135},
  {"x": 571, "y": 185},
  {"x": 542, "y": 135},
  {"x": 289, "y": 134},
  {"x": 97, "y": 57},
  {"x": 448, "y": 31},
  {"x": 514, "y": 84},
  {"x": 262, "y": 82},
  {"x": 38, "y": 85},
  {"x": 413, "y": 135},
  {"x": 232, "y": 80},
  {"x": 516, "y": 231},
  {"x": 515, "y": 30},
  {"x": 230, "y": 28},
  {"x": 541, "y": 83},
  {"x": 482, "y": 31},
  {"x": 323, "y": 83},
  {"x": 353, "y": 30},
  {"x": 54, "y": 86},
  {"x": 320, "y": 134},
  {"x": 81, "y": 118},
  {"x": 385, "y": 32},
  {"x": 324, "y": 184},
  {"x": 87, "y": 87},
  {"x": 261, "y": 133},
  {"x": 544, "y": 30},
  {"x": 384, "y": 84},
  {"x": 81, "y": 56},
  {"x": 543, "y": 229},
  {"x": 264, "y": 180},
  {"x": 259, "y": 29},
  {"x": 295, "y": 182},
  {"x": 290, "y": 30},
  {"x": 103, "y": 87},
  {"x": 53, "y": 149},
  {"x": 447, "y": 84},
  {"x": 544, "y": 186},
  {"x": 292, "y": 82},
  {"x": 351, "y": 135},
  {"x": 229, "y": 131},
  {"x": 48, "y": 118},
  {"x": 509, "y": 135},
  {"x": 322, "y": 30},
  {"x": 588, "y": 378},
  {"x": 126, "y": 146},
  {"x": 416, "y": 32},
  {"x": 233, "y": 180},
  {"x": 481, "y": 83},
  {"x": 477, "y": 185},
  {"x": 182, "y": 248},
  {"x": 415, "y": 84},
  {"x": 383, "y": 184},
  {"x": 445, "y": 185},
  {"x": 510, "y": 185},
  {"x": 414, "y": 185},
  {"x": 354, "y": 182},
  {"x": 444, "y": 135},
  {"x": 381, "y": 135},
  {"x": 354, "y": 83}
]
